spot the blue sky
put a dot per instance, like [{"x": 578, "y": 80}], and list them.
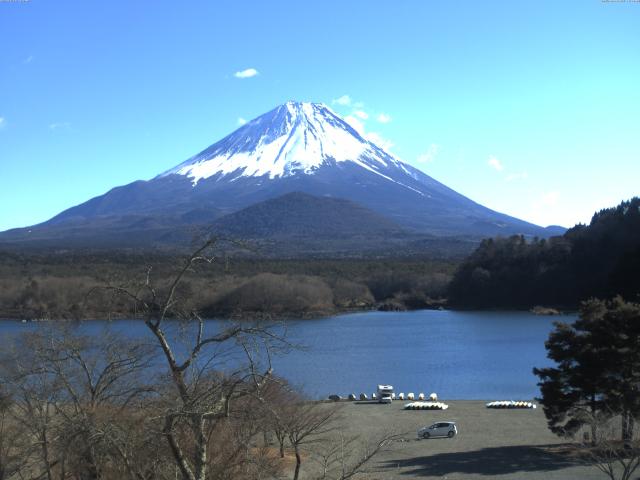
[{"x": 530, "y": 108}]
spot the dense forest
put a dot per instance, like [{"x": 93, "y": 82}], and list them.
[
  {"x": 66, "y": 285},
  {"x": 601, "y": 259}
]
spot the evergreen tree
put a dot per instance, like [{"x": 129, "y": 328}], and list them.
[
  {"x": 598, "y": 368},
  {"x": 598, "y": 260}
]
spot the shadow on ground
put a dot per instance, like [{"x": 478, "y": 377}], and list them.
[{"x": 486, "y": 461}]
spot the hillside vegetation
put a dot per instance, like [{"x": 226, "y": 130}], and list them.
[
  {"x": 601, "y": 259},
  {"x": 596, "y": 260},
  {"x": 64, "y": 285}
]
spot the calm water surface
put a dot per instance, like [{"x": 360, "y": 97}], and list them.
[{"x": 459, "y": 355}]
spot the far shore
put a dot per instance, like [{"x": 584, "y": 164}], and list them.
[{"x": 306, "y": 314}]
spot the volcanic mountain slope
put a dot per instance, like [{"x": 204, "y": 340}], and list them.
[
  {"x": 302, "y": 225},
  {"x": 301, "y": 215},
  {"x": 297, "y": 147}
]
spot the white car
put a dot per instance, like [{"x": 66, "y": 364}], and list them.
[{"x": 440, "y": 429}]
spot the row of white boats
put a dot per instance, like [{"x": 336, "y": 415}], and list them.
[
  {"x": 386, "y": 394},
  {"x": 510, "y": 404},
  {"x": 444, "y": 406},
  {"x": 426, "y": 406}
]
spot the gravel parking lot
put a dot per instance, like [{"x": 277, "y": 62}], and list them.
[{"x": 504, "y": 444}]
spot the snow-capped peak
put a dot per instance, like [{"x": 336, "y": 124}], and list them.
[{"x": 294, "y": 138}]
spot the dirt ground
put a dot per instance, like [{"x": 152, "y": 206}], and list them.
[{"x": 503, "y": 444}]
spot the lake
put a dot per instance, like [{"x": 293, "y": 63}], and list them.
[{"x": 458, "y": 355}]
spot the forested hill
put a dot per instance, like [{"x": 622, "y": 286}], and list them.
[{"x": 601, "y": 259}]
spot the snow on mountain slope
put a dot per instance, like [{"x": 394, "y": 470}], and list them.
[
  {"x": 294, "y": 138},
  {"x": 296, "y": 147}
]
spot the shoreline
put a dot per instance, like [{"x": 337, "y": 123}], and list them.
[{"x": 303, "y": 315}]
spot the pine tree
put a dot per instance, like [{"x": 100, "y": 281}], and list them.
[{"x": 598, "y": 368}]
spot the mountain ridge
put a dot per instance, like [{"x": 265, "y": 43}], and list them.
[{"x": 296, "y": 147}]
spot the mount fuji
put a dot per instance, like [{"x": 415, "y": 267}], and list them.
[{"x": 296, "y": 147}]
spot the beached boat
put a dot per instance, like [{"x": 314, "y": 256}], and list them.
[
  {"x": 426, "y": 406},
  {"x": 510, "y": 404}
]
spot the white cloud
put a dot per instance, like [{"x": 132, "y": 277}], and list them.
[
  {"x": 28, "y": 60},
  {"x": 383, "y": 118},
  {"x": 3, "y": 123},
  {"x": 550, "y": 199},
  {"x": 357, "y": 120},
  {"x": 545, "y": 209},
  {"x": 248, "y": 73},
  {"x": 241, "y": 121},
  {"x": 517, "y": 176},
  {"x": 343, "y": 100},
  {"x": 376, "y": 138},
  {"x": 430, "y": 155},
  {"x": 59, "y": 126},
  {"x": 495, "y": 163},
  {"x": 373, "y": 137},
  {"x": 357, "y": 125}
]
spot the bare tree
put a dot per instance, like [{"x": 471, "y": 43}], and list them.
[
  {"x": 342, "y": 457},
  {"x": 307, "y": 424},
  {"x": 189, "y": 401},
  {"x": 238, "y": 452},
  {"x": 35, "y": 394},
  {"x": 311, "y": 430},
  {"x": 203, "y": 390},
  {"x": 276, "y": 398},
  {"x": 12, "y": 441},
  {"x": 71, "y": 393},
  {"x": 618, "y": 459}
]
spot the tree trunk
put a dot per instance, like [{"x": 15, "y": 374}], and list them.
[
  {"x": 627, "y": 428},
  {"x": 594, "y": 423},
  {"x": 178, "y": 456},
  {"x": 298, "y": 463},
  {"x": 90, "y": 470},
  {"x": 201, "y": 447},
  {"x": 45, "y": 453}
]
